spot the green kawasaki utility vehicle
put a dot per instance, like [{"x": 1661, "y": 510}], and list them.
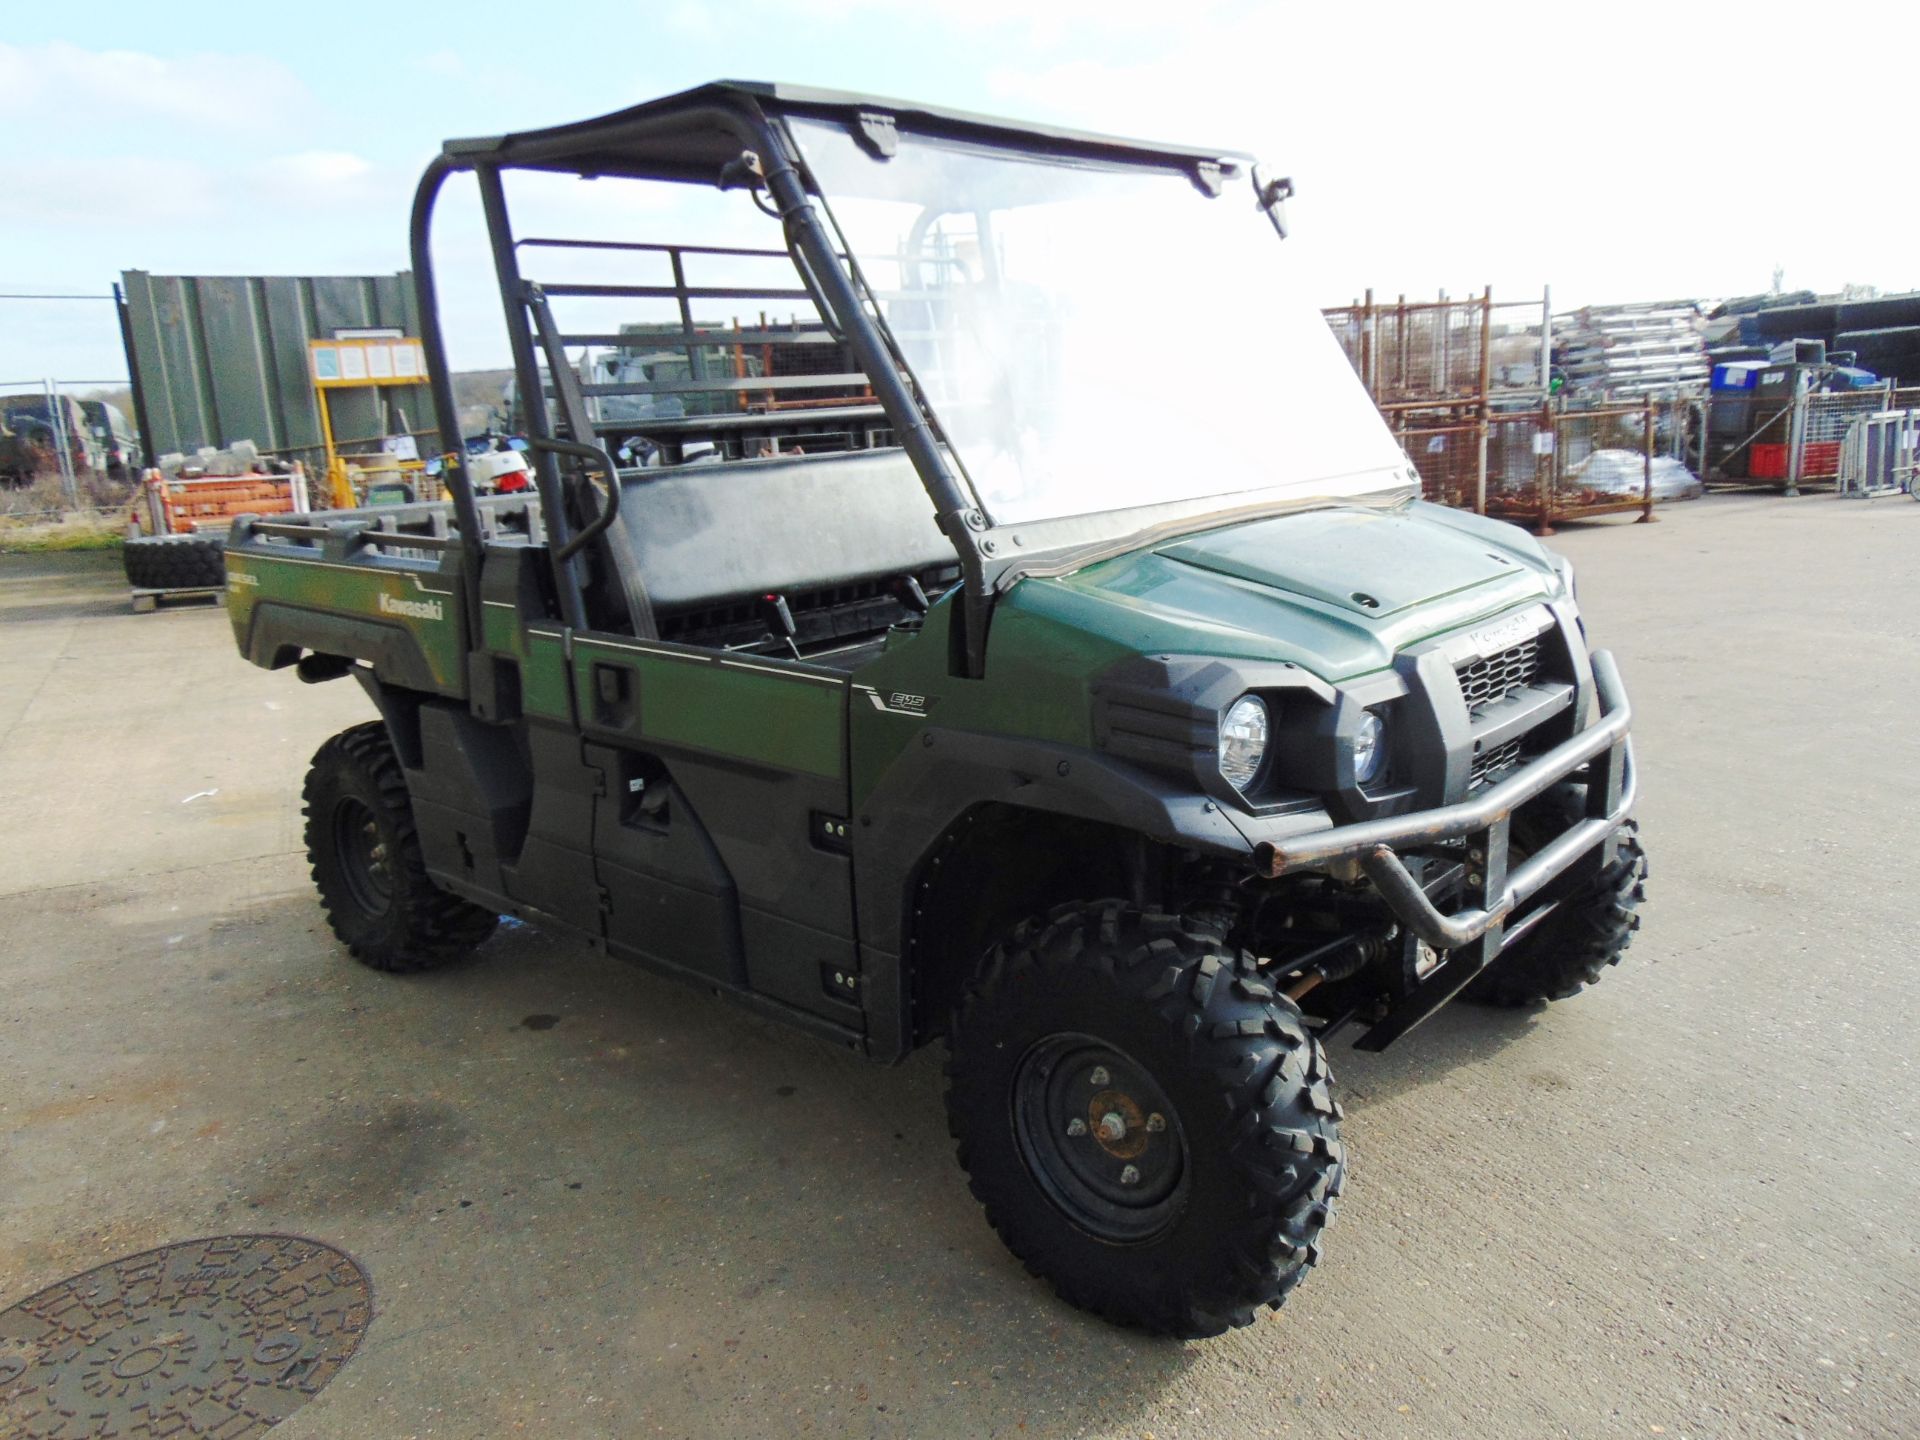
[{"x": 1054, "y": 659}]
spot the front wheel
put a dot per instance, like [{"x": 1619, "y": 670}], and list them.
[
  {"x": 1147, "y": 1122},
  {"x": 1589, "y": 930},
  {"x": 367, "y": 862}
]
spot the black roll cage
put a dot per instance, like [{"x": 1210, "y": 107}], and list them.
[{"x": 693, "y": 138}]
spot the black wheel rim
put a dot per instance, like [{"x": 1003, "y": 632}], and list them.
[
  {"x": 364, "y": 862},
  {"x": 1100, "y": 1137}
]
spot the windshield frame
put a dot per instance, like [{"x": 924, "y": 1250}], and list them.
[
  {"x": 1008, "y": 551},
  {"x": 734, "y": 134}
]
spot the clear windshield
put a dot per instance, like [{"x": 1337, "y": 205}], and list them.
[{"x": 1095, "y": 337}]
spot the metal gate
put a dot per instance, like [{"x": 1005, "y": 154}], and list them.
[{"x": 1880, "y": 455}]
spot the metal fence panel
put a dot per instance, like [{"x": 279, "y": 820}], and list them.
[
  {"x": 1881, "y": 454},
  {"x": 1822, "y": 429},
  {"x": 238, "y": 343},
  {"x": 286, "y": 315},
  {"x": 224, "y": 358}
]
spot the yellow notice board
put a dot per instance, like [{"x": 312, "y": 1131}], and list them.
[{"x": 339, "y": 363}]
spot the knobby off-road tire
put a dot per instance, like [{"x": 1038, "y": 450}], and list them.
[
  {"x": 175, "y": 562},
  {"x": 1572, "y": 948},
  {"x": 1102, "y": 1012},
  {"x": 367, "y": 863}
]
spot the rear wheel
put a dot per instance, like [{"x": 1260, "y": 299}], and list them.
[
  {"x": 1148, "y": 1124},
  {"x": 367, "y": 862},
  {"x": 1590, "y": 930}
]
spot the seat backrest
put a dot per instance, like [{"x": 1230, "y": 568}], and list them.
[{"x": 707, "y": 533}]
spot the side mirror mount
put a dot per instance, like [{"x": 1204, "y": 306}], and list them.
[
  {"x": 743, "y": 172},
  {"x": 1272, "y": 196}
]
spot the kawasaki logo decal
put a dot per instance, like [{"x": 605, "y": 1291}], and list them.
[{"x": 413, "y": 609}]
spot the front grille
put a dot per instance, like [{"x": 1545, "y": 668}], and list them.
[
  {"x": 1486, "y": 682},
  {"x": 1490, "y": 765}
]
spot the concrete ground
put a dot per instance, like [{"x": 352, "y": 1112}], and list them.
[{"x": 596, "y": 1204}]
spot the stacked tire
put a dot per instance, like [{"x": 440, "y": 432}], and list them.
[{"x": 176, "y": 562}]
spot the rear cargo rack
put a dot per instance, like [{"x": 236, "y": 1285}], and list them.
[{"x": 419, "y": 532}]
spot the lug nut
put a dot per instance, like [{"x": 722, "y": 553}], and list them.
[
  {"x": 1076, "y": 1127},
  {"x": 1156, "y": 1123},
  {"x": 1113, "y": 1125},
  {"x": 1130, "y": 1175},
  {"x": 1099, "y": 1076}
]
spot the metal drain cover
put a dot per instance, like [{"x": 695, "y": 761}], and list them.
[{"x": 223, "y": 1337}]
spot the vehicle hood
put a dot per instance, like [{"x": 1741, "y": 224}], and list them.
[
  {"x": 1337, "y": 590},
  {"x": 1357, "y": 561}
]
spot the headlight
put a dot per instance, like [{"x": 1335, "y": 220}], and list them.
[
  {"x": 1243, "y": 740},
  {"x": 1369, "y": 748}
]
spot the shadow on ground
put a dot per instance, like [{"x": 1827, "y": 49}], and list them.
[{"x": 691, "y": 1160}]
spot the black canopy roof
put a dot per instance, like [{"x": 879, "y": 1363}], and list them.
[{"x": 690, "y": 135}]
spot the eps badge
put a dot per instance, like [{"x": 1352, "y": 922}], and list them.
[{"x": 900, "y": 702}]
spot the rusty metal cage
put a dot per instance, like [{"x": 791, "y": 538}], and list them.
[
  {"x": 1554, "y": 461},
  {"x": 1464, "y": 387},
  {"x": 1564, "y": 463},
  {"x": 1412, "y": 352},
  {"x": 1447, "y": 455},
  {"x": 1445, "y": 352},
  {"x": 1440, "y": 369}
]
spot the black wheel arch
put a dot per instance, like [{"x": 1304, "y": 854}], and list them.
[
  {"x": 960, "y": 812},
  {"x": 997, "y": 865},
  {"x": 384, "y": 905}
]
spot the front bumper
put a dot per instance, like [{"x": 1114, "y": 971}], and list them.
[{"x": 1474, "y": 935}]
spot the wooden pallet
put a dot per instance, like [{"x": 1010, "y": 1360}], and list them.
[{"x": 146, "y": 600}]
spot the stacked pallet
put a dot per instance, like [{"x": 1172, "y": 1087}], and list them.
[{"x": 1621, "y": 351}]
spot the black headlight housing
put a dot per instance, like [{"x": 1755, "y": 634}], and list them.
[{"x": 1166, "y": 712}]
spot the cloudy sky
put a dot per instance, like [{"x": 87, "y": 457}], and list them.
[{"x": 1632, "y": 152}]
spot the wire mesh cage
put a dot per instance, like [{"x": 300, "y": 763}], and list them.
[
  {"x": 1823, "y": 429},
  {"x": 1445, "y": 351},
  {"x": 1447, "y": 457}
]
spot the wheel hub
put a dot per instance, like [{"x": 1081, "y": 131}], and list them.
[
  {"x": 1100, "y": 1137},
  {"x": 1118, "y": 1124},
  {"x": 363, "y": 855}
]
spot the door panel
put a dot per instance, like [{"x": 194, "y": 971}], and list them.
[
  {"x": 726, "y": 775},
  {"x": 784, "y": 715},
  {"x": 668, "y": 894},
  {"x": 554, "y": 869}
]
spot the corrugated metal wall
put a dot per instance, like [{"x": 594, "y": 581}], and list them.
[{"x": 222, "y": 358}]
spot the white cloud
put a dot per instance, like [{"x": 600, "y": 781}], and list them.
[
  {"x": 225, "y": 91},
  {"x": 51, "y": 193},
  {"x": 320, "y": 178}
]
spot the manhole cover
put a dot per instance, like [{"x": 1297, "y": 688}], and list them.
[{"x": 221, "y": 1337}]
